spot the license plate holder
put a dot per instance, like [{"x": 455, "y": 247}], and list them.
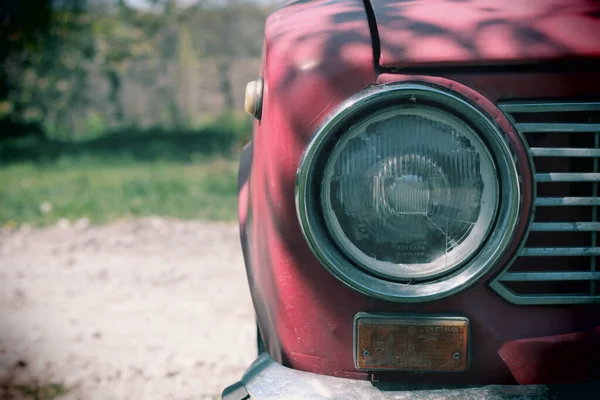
[{"x": 424, "y": 343}]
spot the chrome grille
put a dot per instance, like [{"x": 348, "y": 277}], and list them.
[{"x": 558, "y": 262}]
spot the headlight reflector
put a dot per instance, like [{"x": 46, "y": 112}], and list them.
[{"x": 410, "y": 192}]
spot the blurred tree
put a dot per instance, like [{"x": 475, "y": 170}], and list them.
[
  {"x": 75, "y": 61},
  {"x": 122, "y": 35},
  {"x": 170, "y": 49},
  {"x": 20, "y": 31},
  {"x": 42, "y": 55},
  {"x": 223, "y": 33}
]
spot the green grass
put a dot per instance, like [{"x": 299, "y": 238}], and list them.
[
  {"x": 103, "y": 192},
  {"x": 130, "y": 173},
  {"x": 41, "y": 392}
]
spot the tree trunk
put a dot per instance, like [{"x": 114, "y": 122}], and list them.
[
  {"x": 114, "y": 95},
  {"x": 225, "y": 84}
]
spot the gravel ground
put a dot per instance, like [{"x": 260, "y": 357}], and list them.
[{"x": 142, "y": 309}]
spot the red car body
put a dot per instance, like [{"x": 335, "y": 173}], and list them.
[{"x": 319, "y": 53}]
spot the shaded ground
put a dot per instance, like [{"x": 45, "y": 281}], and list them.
[{"x": 142, "y": 309}]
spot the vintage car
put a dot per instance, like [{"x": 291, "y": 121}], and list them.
[{"x": 419, "y": 202}]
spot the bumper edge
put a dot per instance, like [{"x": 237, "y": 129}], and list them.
[{"x": 265, "y": 379}]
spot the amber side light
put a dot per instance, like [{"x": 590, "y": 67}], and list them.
[{"x": 412, "y": 343}]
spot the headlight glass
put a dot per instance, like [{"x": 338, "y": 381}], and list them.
[{"x": 410, "y": 192}]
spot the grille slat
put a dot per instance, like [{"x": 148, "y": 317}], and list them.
[
  {"x": 568, "y": 177},
  {"x": 557, "y": 264},
  {"x": 559, "y": 251},
  {"x": 549, "y": 276},
  {"x": 528, "y": 107},
  {"x": 564, "y": 152},
  {"x": 567, "y": 201},
  {"x": 549, "y": 299},
  {"x": 557, "y": 128},
  {"x": 565, "y": 226}
]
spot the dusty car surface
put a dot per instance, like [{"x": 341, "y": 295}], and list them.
[{"x": 419, "y": 203}]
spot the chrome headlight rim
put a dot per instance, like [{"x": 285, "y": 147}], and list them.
[{"x": 355, "y": 109}]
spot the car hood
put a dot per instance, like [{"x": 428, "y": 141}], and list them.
[{"x": 471, "y": 32}]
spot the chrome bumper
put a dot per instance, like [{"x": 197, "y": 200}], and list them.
[{"x": 265, "y": 379}]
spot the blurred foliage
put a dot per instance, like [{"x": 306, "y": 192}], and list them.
[
  {"x": 56, "y": 62},
  {"x": 109, "y": 111},
  {"x": 40, "y": 54}
]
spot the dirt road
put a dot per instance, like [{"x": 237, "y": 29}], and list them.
[{"x": 142, "y": 309}]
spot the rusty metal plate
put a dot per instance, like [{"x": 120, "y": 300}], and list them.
[{"x": 411, "y": 343}]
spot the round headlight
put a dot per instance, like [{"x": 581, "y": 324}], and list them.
[{"x": 410, "y": 193}]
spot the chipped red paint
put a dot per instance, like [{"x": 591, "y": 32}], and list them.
[
  {"x": 316, "y": 55},
  {"x": 419, "y": 32}
]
